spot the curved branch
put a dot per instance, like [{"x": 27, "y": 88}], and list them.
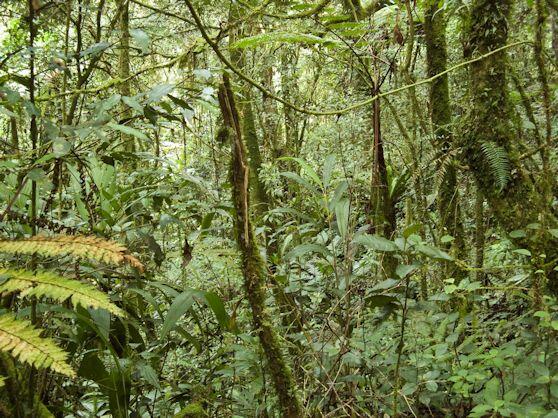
[{"x": 332, "y": 112}]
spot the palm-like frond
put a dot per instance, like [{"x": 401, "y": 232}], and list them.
[
  {"x": 55, "y": 287},
  {"x": 25, "y": 343},
  {"x": 78, "y": 246}
]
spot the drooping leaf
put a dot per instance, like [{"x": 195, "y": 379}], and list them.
[
  {"x": 216, "y": 304},
  {"x": 306, "y": 168},
  {"x": 342, "y": 216},
  {"x": 128, "y": 130},
  {"x": 158, "y": 92},
  {"x": 181, "y": 304},
  {"x": 142, "y": 39},
  {"x": 95, "y": 49},
  {"x": 304, "y": 249},
  {"x": 376, "y": 242},
  {"x": 433, "y": 252}
]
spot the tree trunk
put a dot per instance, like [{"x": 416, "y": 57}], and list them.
[
  {"x": 124, "y": 71},
  {"x": 253, "y": 267},
  {"x": 490, "y": 146},
  {"x": 440, "y": 114}
]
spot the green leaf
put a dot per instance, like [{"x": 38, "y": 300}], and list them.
[
  {"x": 158, "y": 92},
  {"x": 132, "y": 103},
  {"x": 129, "y": 131},
  {"x": 216, "y": 304},
  {"x": 411, "y": 229},
  {"x": 379, "y": 300},
  {"x": 518, "y": 233},
  {"x": 431, "y": 386},
  {"x": 303, "y": 249},
  {"x": 447, "y": 238},
  {"x": 24, "y": 342},
  {"x": 95, "y": 49},
  {"x": 306, "y": 168},
  {"x": 327, "y": 170},
  {"x": 178, "y": 101},
  {"x": 300, "y": 180},
  {"x": 142, "y": 39},
  {"x": 60, "y": 147},
  {"x": 149, "y": 374},
  {"x": 181, "y": 304},
  {"x": 492, "y": 391},
  {"x": 376, "y": 242},
  {"x": 403, "y": 270},
  {"x": 384, "y": 285},
  {"x": 7, "y": 112},
  {"x": 342, "y": 216},
  {"x": 36, "y": 174},
  {"x": 92, "y": 368},
  {"x": 522, "y": 251},
  {"x": 433, "y": 252}
]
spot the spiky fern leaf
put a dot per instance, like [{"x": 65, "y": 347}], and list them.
[
  {"x": 498, "y": 163},
  {"x": 25, "y": 343},
  {"x": 78, "y": 246},
  {"x": 55, "y": 287},
  {"x": 443, "y": 163}
]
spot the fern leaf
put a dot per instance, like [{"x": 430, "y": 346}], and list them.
[
  {"x": 55, "y": 287},
  {"x": 25, "y": 343},
  {"x": 78, "y": 246},
  {"x": 498, "y": 163}
]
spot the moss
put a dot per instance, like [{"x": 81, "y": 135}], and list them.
[
  {"x": 192, "y": 410},
  {"x": 488, "y": 121},
  {"x": 222, "y": 136},
  {"x": 440, "y": 111},
  {"x": 253, "y": 265}
]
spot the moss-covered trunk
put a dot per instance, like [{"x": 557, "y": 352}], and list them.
[
  {"x": 124, "y": 70},
  {"x": 253, "y": 267},
  {"x": 284, "y": 301},
  {"x": 491, "y": 147},
  {"x": 440, "y": 114}
]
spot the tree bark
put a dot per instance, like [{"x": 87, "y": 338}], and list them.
[
  {"x": 124, "y": 70},
  {"x": 518, "y": 201},
  {"x": 440, "y": 115},
  {"x": 253, "y": 267}
]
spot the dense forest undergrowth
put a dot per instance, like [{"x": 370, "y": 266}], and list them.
[{"x": 278, "y": 208}]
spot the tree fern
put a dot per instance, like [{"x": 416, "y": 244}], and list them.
[
  {"x": 24, "y": 342},
  {"x": 55, "y": 287},
  {"x": 498, "y": 163},
  {"x": 77, "y": 246}
]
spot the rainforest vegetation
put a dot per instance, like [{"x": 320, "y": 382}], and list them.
[{"x": 278, "y": 208}]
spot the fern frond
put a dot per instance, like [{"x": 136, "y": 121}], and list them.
[
  {"x": 55, "y": 287},
  {"x": 497, "y": 160},
  {"x": 25, "y": 343},
  {"x": 443, "y": 164},
  {"x": 78, "y": 246}
]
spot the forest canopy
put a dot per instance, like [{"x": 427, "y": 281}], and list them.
[{"x": 278, "y": 208}]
